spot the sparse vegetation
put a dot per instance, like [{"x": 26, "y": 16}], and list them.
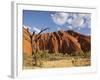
[
  {"x": 27, "y": 60},
  {"x": 45, "y": 59}
]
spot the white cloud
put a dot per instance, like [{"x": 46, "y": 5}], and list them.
[
  {"x": 70, "y": 20},
  {"x": 87, "y": 20},
  {"x": 78, "y": 22},
  {"x": 74, "y": 15},
  {"x": 70, "y": 27},
  {"x": 36, "y": 30},
  {"x": 60, "y": 18},
  {"x": 26, "y": 27},
  {"x": 75, "y": 20}
]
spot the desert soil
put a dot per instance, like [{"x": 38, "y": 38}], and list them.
[{"x": 62, "y": 63}]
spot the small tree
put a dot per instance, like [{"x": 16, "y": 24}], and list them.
[
  {"x": 34, "y": 55},
  {"x": 37, "y": 37}
]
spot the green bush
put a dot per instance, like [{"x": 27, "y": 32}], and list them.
[{"x": 82, "y": 54}]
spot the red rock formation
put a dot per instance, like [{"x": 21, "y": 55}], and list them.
[
  {"x": 69, "y": 43},
  {"x": 85, "y": 41},
  {"x": 56, "y": 42},
  {"x": 26, "y": 42}
]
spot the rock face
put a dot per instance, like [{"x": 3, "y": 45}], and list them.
[
  {"x": 26, "y": 42},
  {"x": 56, "y": 42},
  {"x": 84, "y": 41}
]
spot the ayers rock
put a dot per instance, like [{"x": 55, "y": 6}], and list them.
[{"x": 56, "y": 42}]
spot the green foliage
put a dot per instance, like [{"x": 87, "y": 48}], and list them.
[
  {"x": 87, "y": 54},
  {"x": 39, "y": 56},
  {"x": 82, "y": 54}
]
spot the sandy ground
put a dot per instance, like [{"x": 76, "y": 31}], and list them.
[{"x": 63, "y": 63}]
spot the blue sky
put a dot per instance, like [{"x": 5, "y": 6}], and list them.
[{"x": 37, "y": 20}]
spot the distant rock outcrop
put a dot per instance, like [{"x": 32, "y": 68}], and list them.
[{"x": 56, "y": 42}]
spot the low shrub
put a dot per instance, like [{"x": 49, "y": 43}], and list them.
[{"x": 37, "y": 58}]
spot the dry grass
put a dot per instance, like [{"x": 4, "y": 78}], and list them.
[
  {"x": 70, "y": 62},
  {"x": 66, "y": 63},
  {"x": 46, "y": 60}
]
